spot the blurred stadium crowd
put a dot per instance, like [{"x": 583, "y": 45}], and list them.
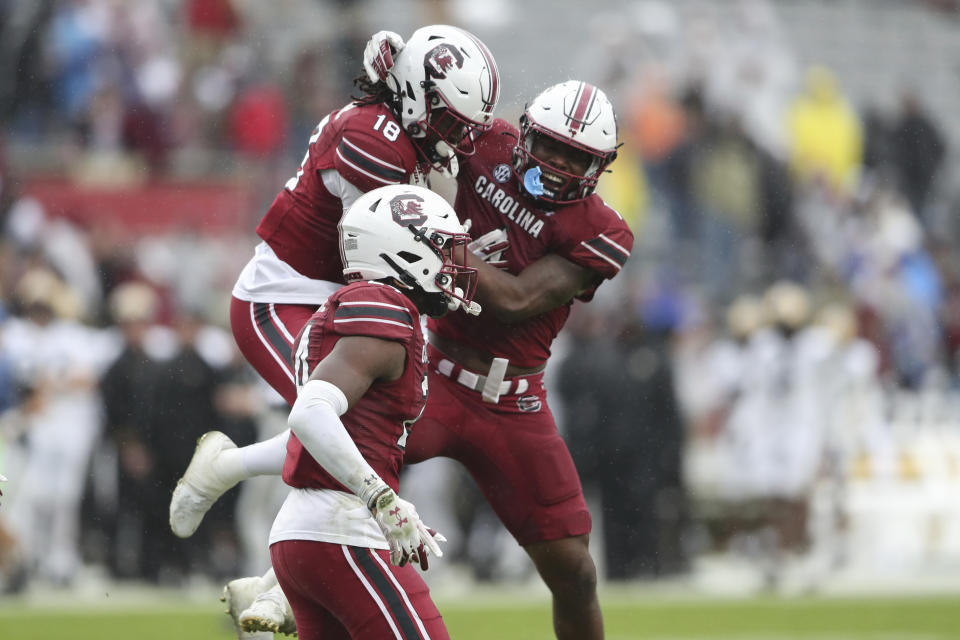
[{"x": 775, "y": 375}]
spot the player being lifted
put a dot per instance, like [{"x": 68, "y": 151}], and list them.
[
  {"x": 443, "y": 87},
  {"x": 529, "y": 197},
  {"x": 360, "y": 368},
  {"x": 440, "y": 89}
]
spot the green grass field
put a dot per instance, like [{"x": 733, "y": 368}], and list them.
[{"x": 627, "y": 618}]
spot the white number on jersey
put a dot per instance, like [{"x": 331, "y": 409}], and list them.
[{"x": 391, "y": 131}]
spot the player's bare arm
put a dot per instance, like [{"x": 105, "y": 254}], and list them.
[
  {"x": 356, "y": 362},
  {"x": 544, "y": 285}
]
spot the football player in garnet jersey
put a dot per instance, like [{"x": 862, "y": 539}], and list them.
[
  {"x": 419, "y": 115},
  {"x": 343, "y": 542},
  {"x": 441, "y": 87},
  {"x": 529, "y": 196}
]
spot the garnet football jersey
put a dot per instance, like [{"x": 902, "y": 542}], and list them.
[
  {"x": 587, "y": 233},
  {"x": 367, "y": 147},
  {"x": 379, "y": 422}
]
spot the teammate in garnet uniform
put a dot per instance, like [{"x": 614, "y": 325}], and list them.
[
  {"x": 418, "y": 116},
  {"x": 343, "y": 540},
  {"x": 529, "y": 197},
  {"x": 443, "y": 86},
  {"x": 440, "y": 89}
]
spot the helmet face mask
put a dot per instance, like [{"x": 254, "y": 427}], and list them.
[
  {"x": 447, "y": 86},
  {"x": 411, "y": 237},
  {"x": 576, "y": 121}
]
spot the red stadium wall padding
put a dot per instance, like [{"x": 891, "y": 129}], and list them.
[{"x": 207, "y": 207}]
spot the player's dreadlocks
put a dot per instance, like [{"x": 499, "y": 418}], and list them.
[{"x": 374, "y": 92}]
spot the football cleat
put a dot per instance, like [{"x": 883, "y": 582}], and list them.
[
  {"x": 200, "y": 485},
  {"x": 239, "y": 594},
  {"x": 270, "y": 611}
]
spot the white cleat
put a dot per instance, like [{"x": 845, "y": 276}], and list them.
[
  {"x": 269, "y": 611},
  {"x": 239, "y": 594},
  {"x": 200, "y": 486}
]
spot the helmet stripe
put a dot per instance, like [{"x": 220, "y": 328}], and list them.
[
  {"x": 490, "y": 103},
  {"x": 586, "y": 94}
]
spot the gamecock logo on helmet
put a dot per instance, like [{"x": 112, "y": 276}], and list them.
[
  {"x": 406, "y": 209},
  {"x": 441, "y": 59}
]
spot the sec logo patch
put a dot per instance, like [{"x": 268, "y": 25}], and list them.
[{"x": 502, "y": 172}]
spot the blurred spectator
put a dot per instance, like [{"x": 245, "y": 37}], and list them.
[
  {"x": 186, "y": 389},
  {"x": 672, "y": 179},
  {"x": 58, "y": 242},
  {"x": 211, "y": 25},
  {"x": 893, "y": 275},
  {"x": 9, "y": 561},
  {"x": 726, "y": 183},
  {"x": 24, "y": 91},
  {"x": 771, "y": 442},
  {"x": 826, "y": 139},
  {"x": 139, "y": 547},
  {"x": 259, "y": 122},
  {"x": 57, "y": 361},
  {"x": 878, "y": 153},
  {"x": 624, "y": 430},
  {"x": 77, "y": 48},
  {"x": 656, "y": 122},
  {"x": 858, "y": 431},
  {"x": 918, "y": 151}
]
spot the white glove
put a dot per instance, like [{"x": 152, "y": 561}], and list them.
[
  {"x": 408, "y": 537},
  {"x": 491, "y": 246},
  {"x": 379, "y": 52}
]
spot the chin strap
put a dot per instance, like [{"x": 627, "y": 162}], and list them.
[{"x": 470, "y": 308}]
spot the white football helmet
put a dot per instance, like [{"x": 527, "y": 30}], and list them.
[
  {"x": 580, "y": 116},
  {"x": 447, "y": 84},
  {"x": 412, "y": 235}
]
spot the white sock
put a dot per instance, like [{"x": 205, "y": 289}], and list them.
[
  {"x": 265, "y": 458},
  {"x": 268, "y": 580},
  {"x": 228, "y": 466},
  {"x": 274, "y": 593}
]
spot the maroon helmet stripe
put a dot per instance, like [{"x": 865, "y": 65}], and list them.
[
  {"x": 586, "y": 95},
  {"x": 488, "y": 105}
]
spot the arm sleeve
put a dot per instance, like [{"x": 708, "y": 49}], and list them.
[{"x": 315, "y": 420}]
